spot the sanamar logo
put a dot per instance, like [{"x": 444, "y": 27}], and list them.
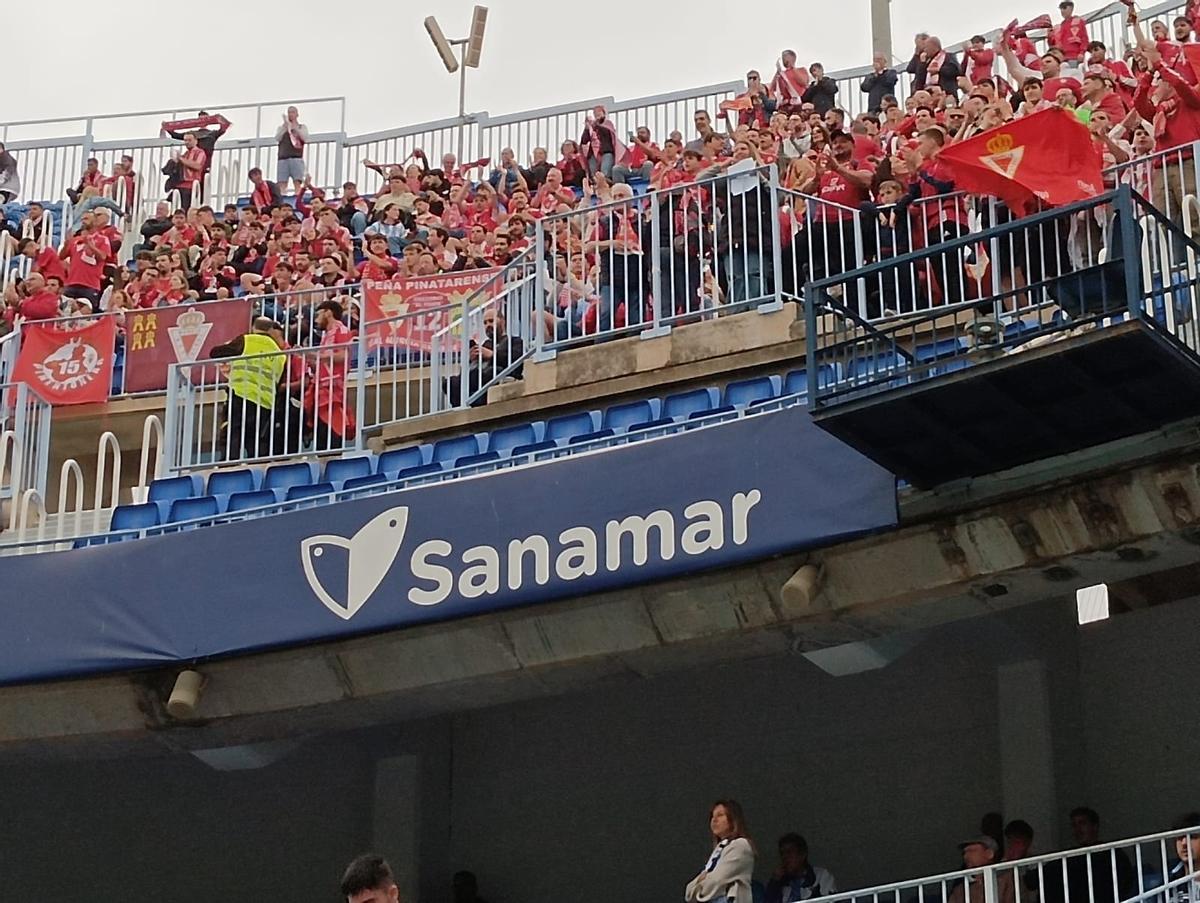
[{"x": 483, "y": 570}]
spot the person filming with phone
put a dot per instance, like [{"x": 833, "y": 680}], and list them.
[
  {"x": 487, "y": 360},
  {"x": 640, "y": 159}
]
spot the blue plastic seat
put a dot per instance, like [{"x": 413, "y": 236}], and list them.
[
  {"x": 796, "y": 382},
  {"x": 339, "y": 470},
  {"x": 447, "y": 451},
  {"x": 568, "y": 425},
  {"x": 487, "y": 457},
  {"x": 683, "y": 405},
  {"x": 311, "y": 490},
  {"x": 375, "y": 479},
  {"x": 533, "y": 448},
  {"x": 168, "y": 489},
  {"x": 631, "y": 414},
  {"x": 423, "y": 470},
  {"x": 866, "y": 368},
  {"x": 506, "y": 438},
  {"x": 397, "y": 459},
  {"x": 284, "y": 476},
  {"x": 743, "y": 392},
  {"x": 134, "y": 517},
  {"x": 592, "y": 436},
  {"x": 242, "y": 501},
  {"x": 190, "y": 509},
  {"x": 227, "y": 482}
]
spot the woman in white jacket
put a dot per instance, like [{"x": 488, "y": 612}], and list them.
[{"x": 726, "y": 875}]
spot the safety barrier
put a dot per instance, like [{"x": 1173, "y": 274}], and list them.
[
  {"x": 24, "y": 442},
  {"x": 257, "y": 407},
  {"x": 1074, "y": 267},
  {"x": 1155, "y": 867},
  {"x": 635, "y": 264}
]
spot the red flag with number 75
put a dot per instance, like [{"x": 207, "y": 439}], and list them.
[{"x": 68, "y": 364}]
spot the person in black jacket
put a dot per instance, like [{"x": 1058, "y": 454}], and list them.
[
  {"x": 821, "y": 91},
  {"x": 879, "y": 84},
  {"x": 159, "y": 224},
  {"x": 489, "y": 361},
  {"x": 945, "y": 68}
]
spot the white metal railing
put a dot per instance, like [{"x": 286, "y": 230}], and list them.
[
  {"x": 25, "y": 444},
  {"x": 25, "y": 545},
  {"x": 1135, "y": 869}
]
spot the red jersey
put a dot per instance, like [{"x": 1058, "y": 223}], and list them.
[
  {"x": 978, "y": 64},
  {"x": 42, "y": 306},
  {"x": 372, "y": 270},
  {"x": 1111, "y": 104},
  {"x": 87, "y": 263},
  {"x": 837, "y": 189},
  {"x": 113, "y": 234},
  {"x": 1177, "y": 120},
  {"x": 1071, "y": 37},
  {"x": 48, "y": 263},
  {"x": 947, "y": 210},
  {"x": 195, "y": 155}
]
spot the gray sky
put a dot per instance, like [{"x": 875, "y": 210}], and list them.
[{"x": 376, "y": 52}]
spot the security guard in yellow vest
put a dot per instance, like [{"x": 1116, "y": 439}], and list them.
[{"x": 254, "y": 371}]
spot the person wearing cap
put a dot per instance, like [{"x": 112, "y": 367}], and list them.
[{"x": 977, "y": 853}]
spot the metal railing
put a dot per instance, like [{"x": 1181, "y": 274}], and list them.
[
  {"x": 1055, "y": 272},
  {"x": 215, "y": 415},
  {"x": 25, "y": 420},
  {"x": 420, "y": 476},
  {"x": 1154, "y": 867}
]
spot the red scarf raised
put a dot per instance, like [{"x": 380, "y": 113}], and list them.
[{"x": 934, "y": 67}]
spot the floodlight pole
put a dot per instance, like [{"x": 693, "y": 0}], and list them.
[
  {"x": 881, "y": 28},
  {"x": 461, "y": 44}
]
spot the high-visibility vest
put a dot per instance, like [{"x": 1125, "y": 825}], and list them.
[{"x": 255, "y": 378}]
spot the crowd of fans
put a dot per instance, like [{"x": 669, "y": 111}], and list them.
[
  {"x": 423, "y": 218},
  {"x": 728, "y": 874}
]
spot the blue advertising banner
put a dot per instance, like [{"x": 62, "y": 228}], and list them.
[{"x": 666, "y": 507}]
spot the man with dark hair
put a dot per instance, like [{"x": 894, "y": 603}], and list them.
[
  {"x": 489, "y": 360},
  {"x": 327, "y": 399},
  {"x": 1018, "y": 840},
  {"x": 796, "y": 878},
  {"x": 1090, "y": 877},
  {"x": 1187, "y": 848},
  {"x": 369, "y": 879}
]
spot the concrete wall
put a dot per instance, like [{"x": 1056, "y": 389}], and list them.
[
  {"x": 606, "y": 790},
  {"x": 173, "y": 829}
]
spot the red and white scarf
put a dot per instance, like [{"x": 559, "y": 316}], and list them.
[
  {"x": 619, "y": 148},
  {"x": 789, "y": 85},
  {"x": 933, "y": 68}
]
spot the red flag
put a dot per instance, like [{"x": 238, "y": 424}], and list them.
[
  {"x": 418, "y": 307},
  {"x": 1191, "y": 53},
  {"x": 1048, "y": 156},
  {"x": 1042, "y": 21},
  {"x": 68, "y": 363}
]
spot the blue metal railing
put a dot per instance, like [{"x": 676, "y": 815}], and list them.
[{"x": 1052, "y": 274}]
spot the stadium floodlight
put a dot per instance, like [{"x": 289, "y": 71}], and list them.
[
  {"x": 470, "y": 49},
  {"x": 475, "y": 41},
  {"x": 445, "y": 51}
]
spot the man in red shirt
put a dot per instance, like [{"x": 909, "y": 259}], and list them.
[
  {"x": 639, "y": 161},
  {"x": 91, "y": 178},
  {"x": 1123, "y": 81},
  {"x": 193, "y": 162},
  {"x": 843, "y": 184},
  {"x": 329, "y": 413},
  {"x": 943, "y": 220},
  {"x": 1070, "y": 36},
  {"x": 1173, "y": 105},
  {"x": 86, "y": 254},
  {"x": 39, "y": 303},
  {"x": 789, "y": 84},
  {"x": 1097, "y": 91},
  {"x": 45, "y": 260}
]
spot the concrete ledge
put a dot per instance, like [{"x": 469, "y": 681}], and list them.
[{"x": 1123, "y": 526}]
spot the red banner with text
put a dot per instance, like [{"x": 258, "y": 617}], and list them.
[
  {"x": 417, "y": 308},
  {"x": 161, "y": 336},
  {"x": 68, "y": 362}
]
